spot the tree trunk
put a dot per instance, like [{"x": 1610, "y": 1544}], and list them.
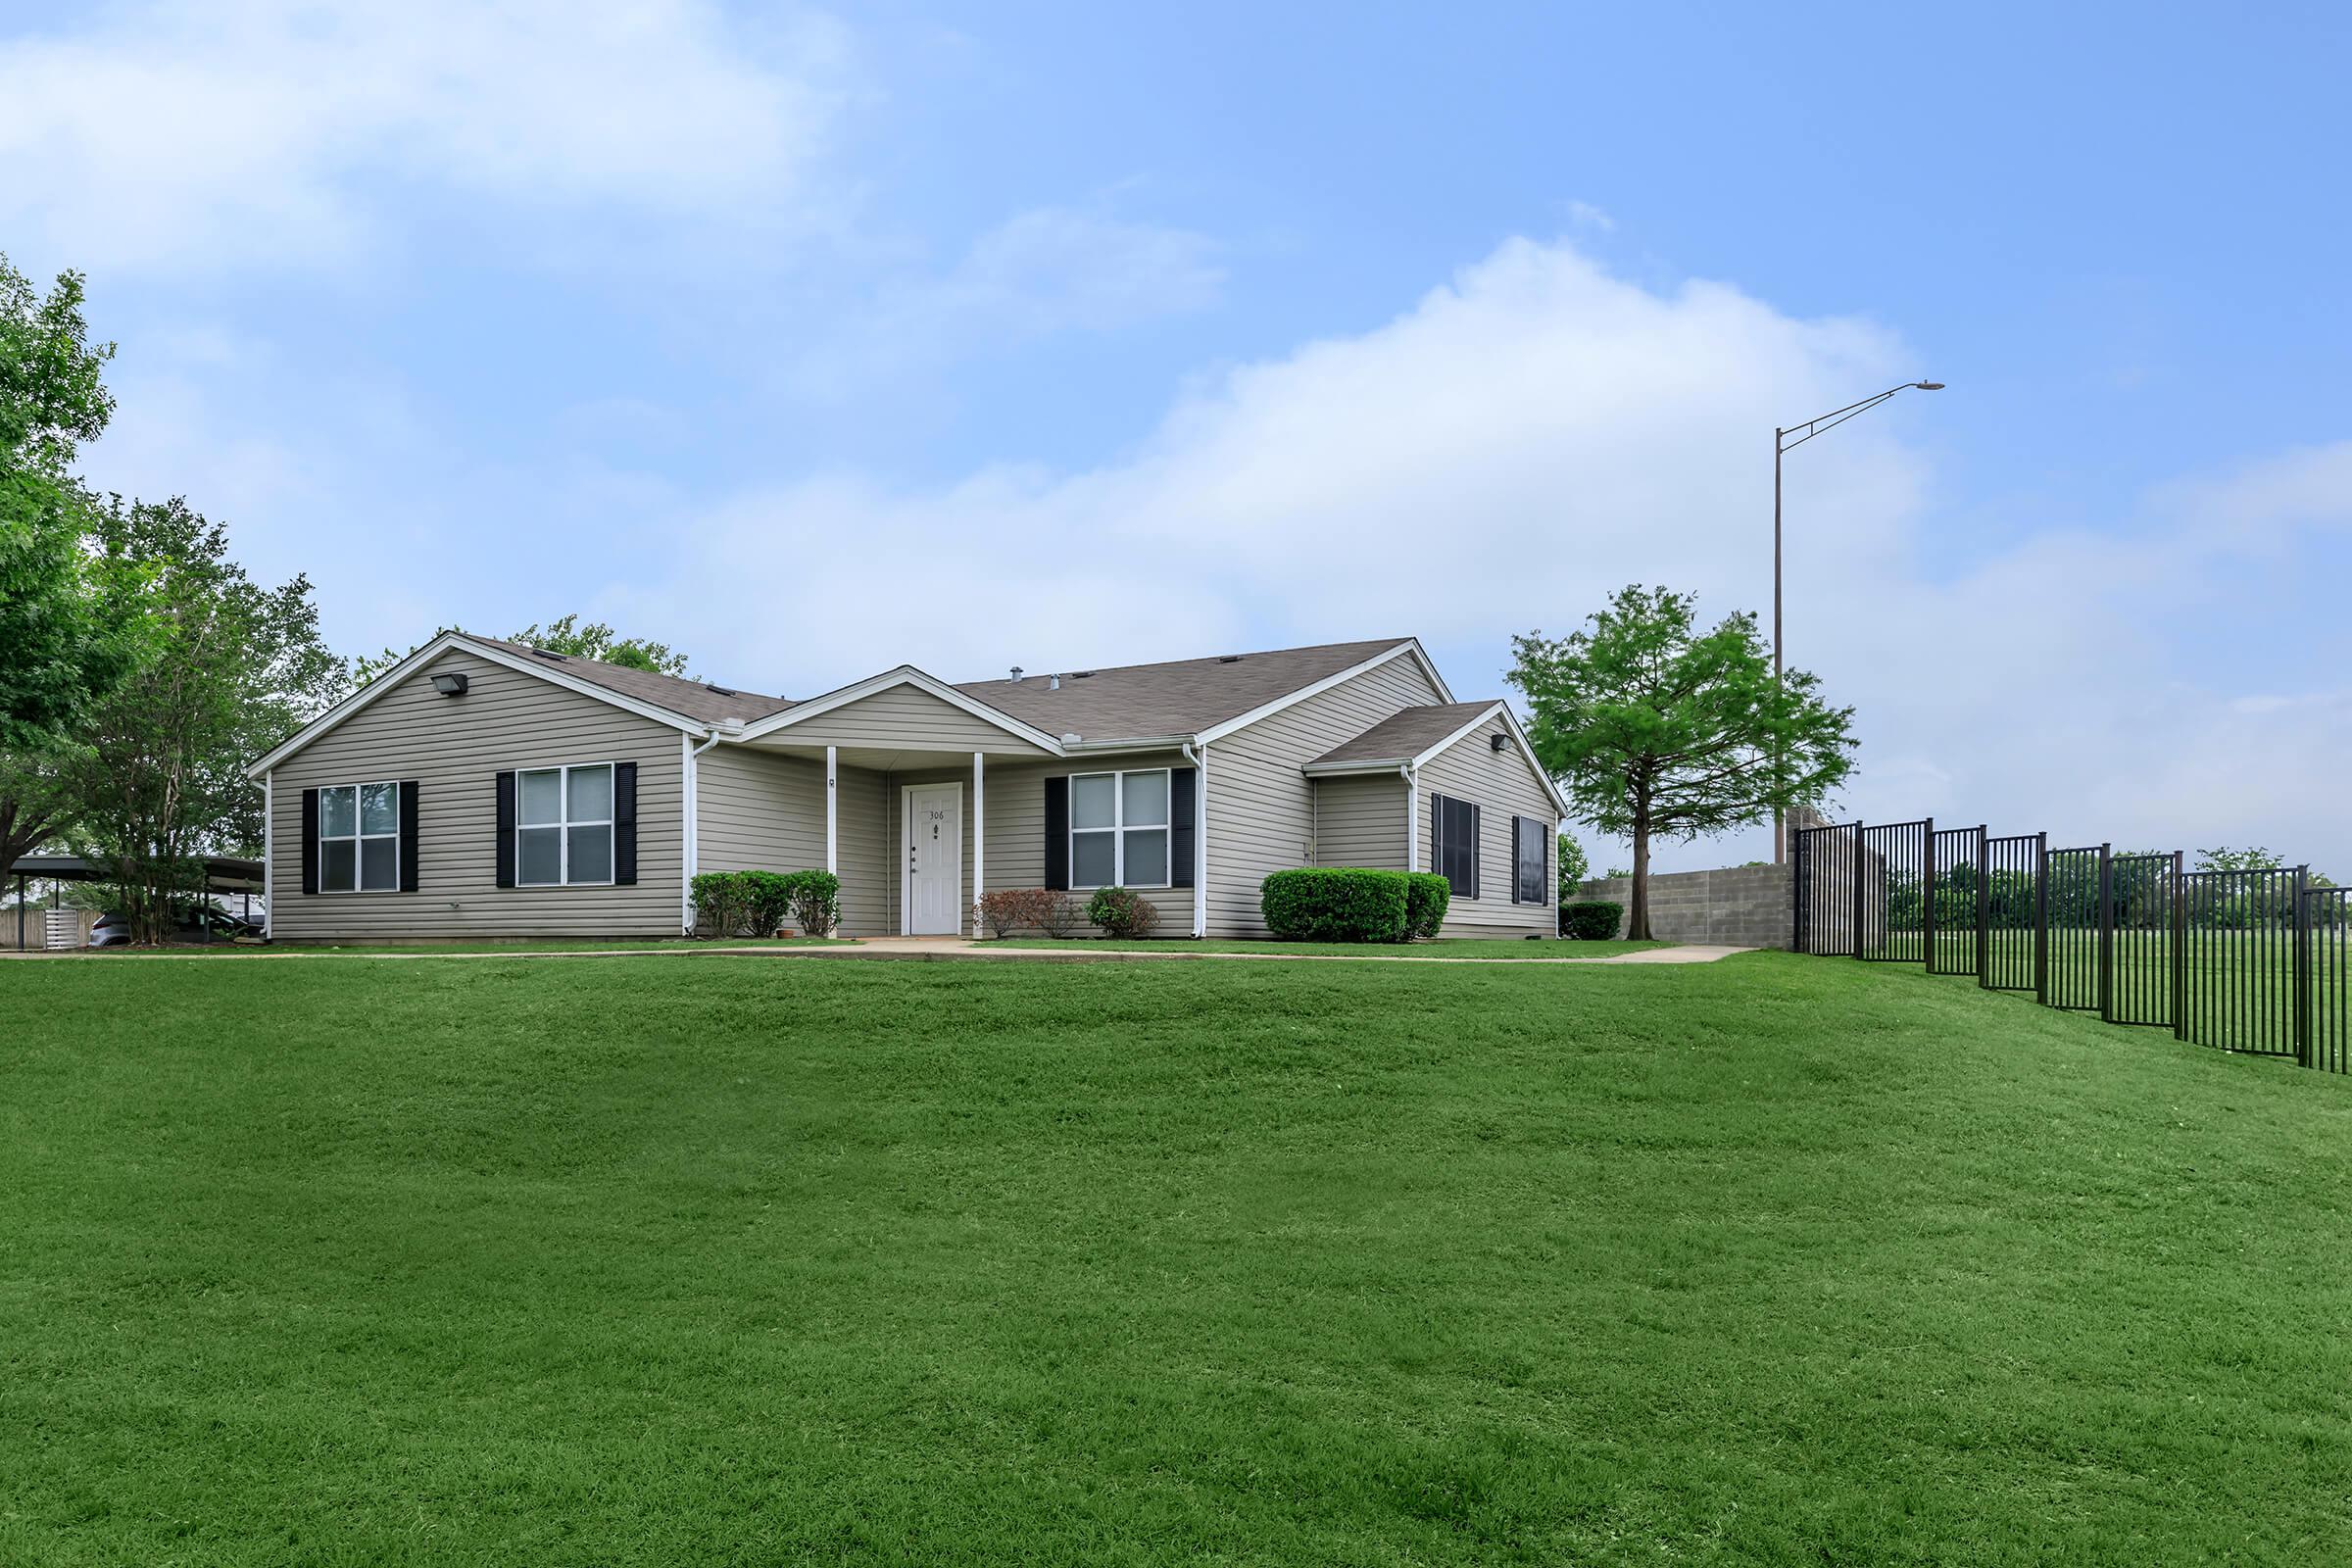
[
  {"x": 20, "y": 836},
  {"x": 1637, "y": 919}
]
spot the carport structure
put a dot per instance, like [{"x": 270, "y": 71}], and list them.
[{"x": 223, "y": 873}]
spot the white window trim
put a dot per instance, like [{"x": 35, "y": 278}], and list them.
[
  {"x": 564, "y": 828},
  {"x": 356, "y": 839},
  {"x": 1120, "y": 829}
]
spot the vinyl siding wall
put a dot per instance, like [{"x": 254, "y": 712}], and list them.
[
  {"x": 1361, "y": 821},
  {"x": 1015, "y": 843},
  {"x": 766, "y": 811},
  {"x": 454, "y": 748},
  {"x": 1260, "y": 813},
  {"x": 1501, "y": 784}
]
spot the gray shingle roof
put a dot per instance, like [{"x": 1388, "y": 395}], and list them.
[
  {"x": 690, "y": 699},
  {"x": 1405, "y": 734},
  {"x": 1182, "y": 696}
]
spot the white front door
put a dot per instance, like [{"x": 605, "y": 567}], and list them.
[{"x": 934, "y": 860}]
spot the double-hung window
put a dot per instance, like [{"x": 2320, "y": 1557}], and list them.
[
  {"x": 1120, "y": 829},
  {"x": 563, "y": 826},
  {"x": 359, "y": 839}
]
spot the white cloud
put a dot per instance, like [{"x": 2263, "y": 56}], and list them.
[
  {"x": 170, "y": 136},
  {"x": 1529, "y": 437}
]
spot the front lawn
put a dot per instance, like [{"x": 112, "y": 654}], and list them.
[
  {"x": 1443, "y": 948},
  {"x": 704, "y": 1262}
]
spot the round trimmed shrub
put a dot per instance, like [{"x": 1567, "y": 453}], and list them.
[
  {"x": 1122, "y": 911},
  {"x": 1335, "y": 903},
  {"x": 1592, "y": 920}
]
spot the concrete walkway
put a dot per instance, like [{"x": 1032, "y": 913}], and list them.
[{"x": 903, "y": 948}]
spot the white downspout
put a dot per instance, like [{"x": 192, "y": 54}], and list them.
[
  {"x": 691, "y": 828},
  {"x": 1199, "y": 761},
  {"x": 269, "y": 853},
  {"x": 832, "y": 783},
  {"x": 1412, "y": 817}
]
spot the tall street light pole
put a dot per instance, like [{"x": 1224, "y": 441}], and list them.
[{"x": 1781, "y": 445}]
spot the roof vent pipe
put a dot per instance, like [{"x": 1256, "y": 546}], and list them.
[
  {"x": 1053, "y": 683},
  {"x": 1017, "y": 673}
]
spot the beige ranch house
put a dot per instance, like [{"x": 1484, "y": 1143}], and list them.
[{"x": 482, "y": 787}]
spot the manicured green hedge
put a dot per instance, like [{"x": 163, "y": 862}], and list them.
[
  {"x": 1427, "y": 897},
  {"x": 731, "y": 904},
  {"x": 1337, "y": 904},
  {"x": 1592, "y": 921}
]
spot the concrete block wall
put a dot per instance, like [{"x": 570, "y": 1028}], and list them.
[{"x": 1740, "y": 906}]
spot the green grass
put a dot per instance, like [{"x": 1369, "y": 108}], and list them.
[
  {"x": 519, "y": 945},
  {"x": 1775, "y": 1260},
  {"x": 1446, "y": 948}
]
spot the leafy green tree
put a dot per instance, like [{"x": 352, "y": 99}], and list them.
[
  {"x": 562, "y": 635},
  {"x": 596, "y": 640},
  {"x": 158, "y": 779},
  {"x": 58, "y": 649},
  {"x": 64, "y": 641},
  {"x": 2253, "y": 858},
  {"x": 1573, "y": 866},
  {"x": 1659, "y": 730}
]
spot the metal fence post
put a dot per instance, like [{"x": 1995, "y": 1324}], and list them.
[
  {"x": 2041, "y": 919},
  {"x": 2105, "y": 957},
  {"x": 1927, "y": 895},
  {"x": 2180, "y": 948},
  {"x": 2302, "y": 967},
  {"x": 1861, "y": 860},
  {"x": 1801, "y": 848}
]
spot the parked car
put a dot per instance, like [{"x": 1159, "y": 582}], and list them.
[{"x": 200, "y": 922}]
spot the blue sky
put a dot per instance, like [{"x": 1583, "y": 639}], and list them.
[{"x": 816, "y": 341}]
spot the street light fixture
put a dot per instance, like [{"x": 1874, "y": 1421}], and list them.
[{"x": 1781, "y": 447}]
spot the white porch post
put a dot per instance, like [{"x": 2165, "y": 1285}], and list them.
[
  {"x": 832, "y": 780},
  {"x": 979, "y": 831}
]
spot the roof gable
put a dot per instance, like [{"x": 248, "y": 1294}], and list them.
[{"x": 587, "y": 676}]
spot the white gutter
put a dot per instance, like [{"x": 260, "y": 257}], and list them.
[{"x": 1199, "y": 761}]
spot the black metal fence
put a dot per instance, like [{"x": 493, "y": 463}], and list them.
[{"x": 2257, "y": 961}]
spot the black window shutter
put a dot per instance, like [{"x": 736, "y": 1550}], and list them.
[
  {"x": 1183, "y": 817},
  {"x": 624, "y": 824},
  {"x": 1058, "y": 833},
  {"x": 408, "y": 835},
  {"x": 310, "y": 841},
  {"x": 1470, "y": 848},
  {"x": 505, "y": 830}
]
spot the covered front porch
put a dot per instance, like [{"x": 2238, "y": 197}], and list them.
[{"x": 891, "y": 786}]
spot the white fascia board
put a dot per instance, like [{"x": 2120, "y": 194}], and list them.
[
  {"x": 1410, "y": 647},
  {"x": 1379, "y": 764},
  {"x": 358, "y": 700},
  {"x": 904, "y": 676},
  {"x": 1147, "y": 743}
]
